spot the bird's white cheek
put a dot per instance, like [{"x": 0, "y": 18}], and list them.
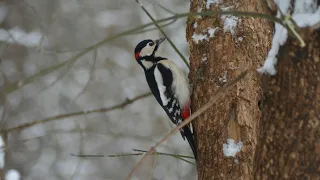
[{"x": 147, "y": 51}]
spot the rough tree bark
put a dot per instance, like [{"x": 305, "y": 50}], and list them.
[
  {"x": 289, "y": 145},
  {"x": 237, "y": 114}
]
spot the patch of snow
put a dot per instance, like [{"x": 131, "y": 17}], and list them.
[
  {"x": 204, "y": 58},
  {"x": 223, "y": 78},
  {"x": 231, "y": 148},
  {"x": 229, "y": 23},
  {"x": 269, "y": 4},
  {"x": 195, "y": 25},
  {"x": 209, "y": 2},
  {"x": 236, "y": 161},
  {"x": 32, "y": 39},
  {"x": 283, "y": 5},
  {"x": 304, "y": 6},
  {"x": 279, "y": 38},
  {"x": 226, "y": 8},
  {"x": 2, "y": 154},
  {"x": 19, "y": 36},
  {"x": 211, "y": 31},
  {"x": 307, "y": 19},
  {"x": 199, "y": 37},
  {"x": 12, "y": 174}
]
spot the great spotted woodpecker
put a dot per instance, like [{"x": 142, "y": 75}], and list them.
[{"x": 167, "y": 83}]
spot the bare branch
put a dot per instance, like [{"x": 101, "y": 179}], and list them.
[
  {"x": 50, "y": 119},
  {"x": 139, "y": 153}
]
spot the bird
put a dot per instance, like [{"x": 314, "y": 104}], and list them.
[{"x": 168, "y": 84}]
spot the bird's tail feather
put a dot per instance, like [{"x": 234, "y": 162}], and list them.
[{"x": 189, "y": 135}]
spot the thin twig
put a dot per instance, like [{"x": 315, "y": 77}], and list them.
[
  {"x": 50, "y": 119},
  {"x": 177, "y": 156},
  {"x": 168, "y": 154},
  {"x": 154, "y": 2},
  {"x": 161, "y": 6},
  {"x": 81, "y": 145},
  {"x": 212, "y": 100},
  {"x": 288, "y": 20},
  {"x": 163, "y": 33},
  {"x": 140, "y": 153},
  {"x": 90, "y": 76}
]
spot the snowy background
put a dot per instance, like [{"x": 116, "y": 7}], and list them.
[{"x": 39, "y": 34}]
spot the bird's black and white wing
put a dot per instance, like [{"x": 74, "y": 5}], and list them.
[{"x": 169, "y": 102}]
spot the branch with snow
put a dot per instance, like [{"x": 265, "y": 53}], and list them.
[{"x": 305, "y": 14}]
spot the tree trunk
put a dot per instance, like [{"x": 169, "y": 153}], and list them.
[
  {"x": 213, "y": 63},
  {"x": 289, "y": 144}
]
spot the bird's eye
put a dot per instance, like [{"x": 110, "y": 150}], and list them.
[{"x": 151, "y": 43}]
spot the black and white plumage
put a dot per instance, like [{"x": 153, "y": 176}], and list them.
[{"x": 167, "y": 83}]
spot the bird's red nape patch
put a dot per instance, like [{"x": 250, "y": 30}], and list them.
[
  {"x": 137, "y": 55},
  {"x": 186, "y": 111}
]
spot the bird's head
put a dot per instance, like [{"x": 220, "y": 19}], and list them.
[{"x": 145, "y": 51}]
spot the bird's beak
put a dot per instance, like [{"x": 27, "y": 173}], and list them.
[{"x": 160, "y": 40}]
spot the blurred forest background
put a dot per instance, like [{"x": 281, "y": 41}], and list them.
[{"x": 40, "y": 34}]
